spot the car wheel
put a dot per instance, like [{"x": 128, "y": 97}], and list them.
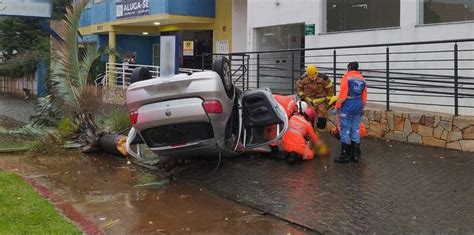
[
  {"x": 140, "y": 74},
  {"x": 221, "y": 66}
]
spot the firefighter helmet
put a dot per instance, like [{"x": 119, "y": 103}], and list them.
[{"x": 311, "y": 71}]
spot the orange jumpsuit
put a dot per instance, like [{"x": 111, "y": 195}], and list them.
[
  {"x": 294, "y": 139},
  {"x": 289, "y": 104}
]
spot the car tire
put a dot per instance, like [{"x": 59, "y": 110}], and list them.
[
  {"x": 140, "y": 74},
  {"x": 221, "y": 66}
]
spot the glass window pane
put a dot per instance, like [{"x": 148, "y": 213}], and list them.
[
  {"x": 345, "y": 15},
  {"x": 439, "y": 11}
]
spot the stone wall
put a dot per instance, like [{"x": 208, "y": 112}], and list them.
[{"x": 439, "y": 130}]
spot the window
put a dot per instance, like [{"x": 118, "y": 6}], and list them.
[
  {"x": 439, "y": 11},
  {"x": 343, "y": 15}
]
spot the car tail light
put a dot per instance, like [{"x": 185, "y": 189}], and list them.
[
  {"x": 134, "y": 117},
  {"x": 212, "y": 106}
]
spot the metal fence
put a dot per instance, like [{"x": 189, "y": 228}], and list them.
[{"x": 431, "y": 75}]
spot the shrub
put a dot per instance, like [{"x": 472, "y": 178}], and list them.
[
  {"x": 67, "y": 127},
  {"x": 114, "y": 120}
]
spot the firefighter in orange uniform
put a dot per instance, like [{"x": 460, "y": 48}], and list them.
[
  {"x": 300, "y": 138},
  {"x": 316, "y": 89},
  {"x": 289, "y": 104}
]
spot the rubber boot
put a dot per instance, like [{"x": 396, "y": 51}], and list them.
[
  {"x": 345, "y": 154},
  {"x": 356, "y": 153}
]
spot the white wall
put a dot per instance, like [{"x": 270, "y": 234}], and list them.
[
  {"x": 239, "y": 25},
  {"x": 262, "y": 13}
]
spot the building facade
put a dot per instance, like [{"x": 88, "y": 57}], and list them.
[
  {"x": 348, "y": 22},
  {"x": 266, "y": 25},
  {"x": 134, "y": 27}
]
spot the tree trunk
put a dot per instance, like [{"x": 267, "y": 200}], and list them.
[{"x": 90, "y": 133}]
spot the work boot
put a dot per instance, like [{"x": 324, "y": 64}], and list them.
[
  {"x": 293, "y": 158},
  {"x": 345, "y": 154},
  {"x": 355, "y": 156}
]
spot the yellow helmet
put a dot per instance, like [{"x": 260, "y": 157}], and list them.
[{"x": 311, "y": 71}]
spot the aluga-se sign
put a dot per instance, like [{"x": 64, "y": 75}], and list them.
[
  {"x": 34, "y": 8},
  {"x": 128, "y": 8}
]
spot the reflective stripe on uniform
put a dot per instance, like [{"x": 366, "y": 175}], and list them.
[{"x": 329, "y": 85}]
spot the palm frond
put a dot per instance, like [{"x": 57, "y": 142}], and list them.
[
  {"x": 47, "y": 112},
  {"x": 90, "y": 55}
]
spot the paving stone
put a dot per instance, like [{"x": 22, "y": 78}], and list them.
[
  {"x": 377, "y": 116},
  {"x": 372, "y": 133},
  {"x": 390, "y": 120},
  {"x": 371, "y": 115},
  {"x": 399, "y": 123},
  {"x": 444, "y": 136},
  {"x": 447, "y": 117},
  {"x": 379, "y": 128},
  {"x": 415, "y": 117},
  {"x": 468, "y": 133},
  {"x": 399, "y": 136},
  {"x": 463, "y": 121},
  {"x": 437, "y": 121},
  {"x": 425, "y": 131},
  {"x": 396, "y": 187},
  {"x": 454, "y": 136},
  {"x": 430, "y": 141},
  {"x": 447, "y": 125},
  {"x": 415, "y": 138},
  {"x": 365, "y": 120},
  {"x": 429, "y": 120},
  {"x": 454, "y": 145},
  {"x": 407, "y": 129},
  {"x": 467, "y": 145},
  {"x": 438, "y": 131}
]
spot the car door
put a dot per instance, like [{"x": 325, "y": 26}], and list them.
[{"x": 263, "y": 119}]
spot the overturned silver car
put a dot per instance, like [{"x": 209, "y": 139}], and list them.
[{"x": 200, "y": 114}]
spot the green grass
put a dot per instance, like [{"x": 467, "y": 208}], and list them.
[
  {"x": 23, "y": 211},
  {"x": 12, "y": 143}
]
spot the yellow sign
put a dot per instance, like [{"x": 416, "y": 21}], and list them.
[{"x": 188, "y": 48}]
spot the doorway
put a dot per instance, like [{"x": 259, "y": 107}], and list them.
[{"x": 281, "y": 69}]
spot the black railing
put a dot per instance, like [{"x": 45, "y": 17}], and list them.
[{"x": 431, "y": 75}]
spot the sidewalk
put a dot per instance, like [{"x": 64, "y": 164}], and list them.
[
  {"x": 16, "y": 108},
  {"x": 396, "y": 188}
]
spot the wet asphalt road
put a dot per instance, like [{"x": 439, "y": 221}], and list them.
[{"x": 396, "y": 188}]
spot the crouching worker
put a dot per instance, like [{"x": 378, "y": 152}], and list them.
[
  {"x": 299, "y": 140},
  {"x": 289, "y": 104}
]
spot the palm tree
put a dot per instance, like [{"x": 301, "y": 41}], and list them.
[{"x": 70, "y": 69}]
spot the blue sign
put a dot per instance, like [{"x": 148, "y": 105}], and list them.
[{"x": 131, "y": 8}]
